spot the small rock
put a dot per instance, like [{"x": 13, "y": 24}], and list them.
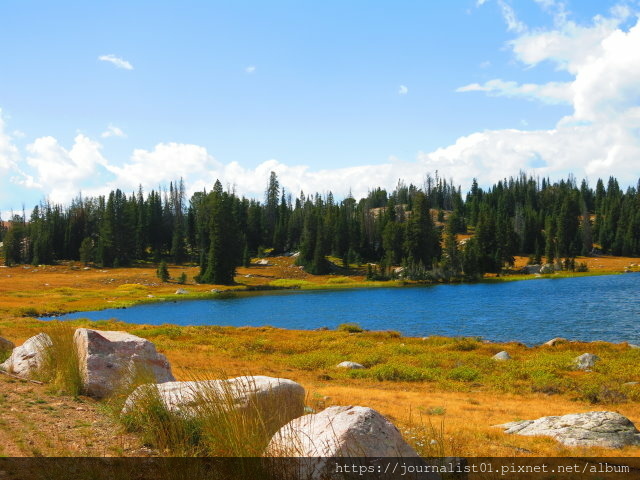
[
  {"x": 350, "y": 365},
  {"x": 631, "y": 345},
  {"x": 630, "y": 384},
  {"x": 502, "y": 356},
  {"x": 547, "y": 268},
  {"x": 590, "y": 429},
  {"x": 181, "y": 291},
  {"x": 555, "y": 341},
  {"x": 87, "y": 268},
  {"x": 29, "y": 357},
  {"x": 586, "y": 361},
  {"x": 264, "y": 261},
  {"x": 6, "y": 345}
]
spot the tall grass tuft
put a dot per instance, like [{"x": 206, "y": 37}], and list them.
[{"x": 60, "y": 366}]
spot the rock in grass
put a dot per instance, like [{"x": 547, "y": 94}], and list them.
[
  {"x": 29, "y": 357},
  {"x": 586, "y": 361},
  {"x": 502, "y": 356},
  {"x": 337, "y": 432},
  {"x": 590, "y": 429},
  {"x": 555, "y": 341},
  {"x": 108, "y": 360},
  {"x": 350, "y": 365},
  {"x": 6, "y": 345},
  {"x": 276, "y": 400},
  {"x": 181, "y": 291}
]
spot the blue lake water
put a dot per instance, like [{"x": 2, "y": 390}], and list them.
[{"x": 586, "y": 308}]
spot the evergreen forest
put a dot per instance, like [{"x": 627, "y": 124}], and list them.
[{"x": 416, "y": 227}]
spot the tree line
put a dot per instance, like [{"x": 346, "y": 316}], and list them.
[{"x": 415, "y": 227}]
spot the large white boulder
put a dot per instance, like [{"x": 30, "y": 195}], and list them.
[
  {"x": 337, "y": 432},
  {"x": 275, "y": 400},
  {"x": 590, "y": 429},
  {"x": 108, "y": 360},
  {"x": 29, "y": 357}
]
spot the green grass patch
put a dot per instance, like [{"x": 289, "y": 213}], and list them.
[{"x": 289, "y": 283}]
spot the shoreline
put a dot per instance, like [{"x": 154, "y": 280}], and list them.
[{"x": 249, "y": 291}]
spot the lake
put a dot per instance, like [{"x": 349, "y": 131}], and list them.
[{"x": 584, "y": 308}]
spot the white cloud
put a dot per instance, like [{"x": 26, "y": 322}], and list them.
[
  {"x": 551, "y": 93},
  {"x": 113, "y": 131},
  {"x": 510, "y": 18},
  {"x": 59, "y": 172},
  {"x": 118, "y": 62},
  {"x": 599, "y": 138},
  {"x": 250, "y": 69},
  {"x": 403, "y": 90}
]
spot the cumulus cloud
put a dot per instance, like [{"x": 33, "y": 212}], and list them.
[
  {"x": 250, "y": 69},
  {"x": 403, "y": 90},
  {"x": 113, "y": 131},
  {"x": 60, "y": 172},
  {"x": 117, "y": 61},
  {"x": 599, "y": 138}
]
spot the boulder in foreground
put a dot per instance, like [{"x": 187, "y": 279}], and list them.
[
  {"x": 28, "y": 358},
  {"x": 338, "y": 432},
  {"x": 276, "y": 400},
  {"x": 590, "y": 429},
  {"x": 108, "y": 360}
]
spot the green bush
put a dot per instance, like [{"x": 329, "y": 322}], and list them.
[
  {"x": 350, "y": 328},
  {"x": 464, "y": 374},
  {"x": 399, "y": 373}
]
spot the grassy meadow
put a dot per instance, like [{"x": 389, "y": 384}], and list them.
[{"x": 445, "y": 389}]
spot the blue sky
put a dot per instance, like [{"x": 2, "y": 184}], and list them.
[{"x": 331, "y": 95}]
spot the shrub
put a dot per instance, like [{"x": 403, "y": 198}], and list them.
[
  {"x": 350, "y": 328},
  {"x": 182, "y": 279},
  {"x": 464, "y": 374},
  {"x": 399, "y": 372}
]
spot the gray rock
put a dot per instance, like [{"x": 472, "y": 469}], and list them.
[
  {"x": 630, "y": 384},
  {"x": 350, "y": 365},
  {"x": 338, "y": 432},
  {"x": 181, "y": 291},
  {"x": 547, "y": 268},
  {"x": 531, "y": 269},
  {"x": 28, "y": 358},
  {"x": 631, "y": 345},
  {"x": 502, "y": 356},
  {"x": 6, "y": 345},
  {"x": 591, "y": 429},
  {"x": 276, "y": 400},
  {"x": 555, "y": 341},
  {"x": 109, "y": 360},
  {"x": 586, "y": 361}
]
